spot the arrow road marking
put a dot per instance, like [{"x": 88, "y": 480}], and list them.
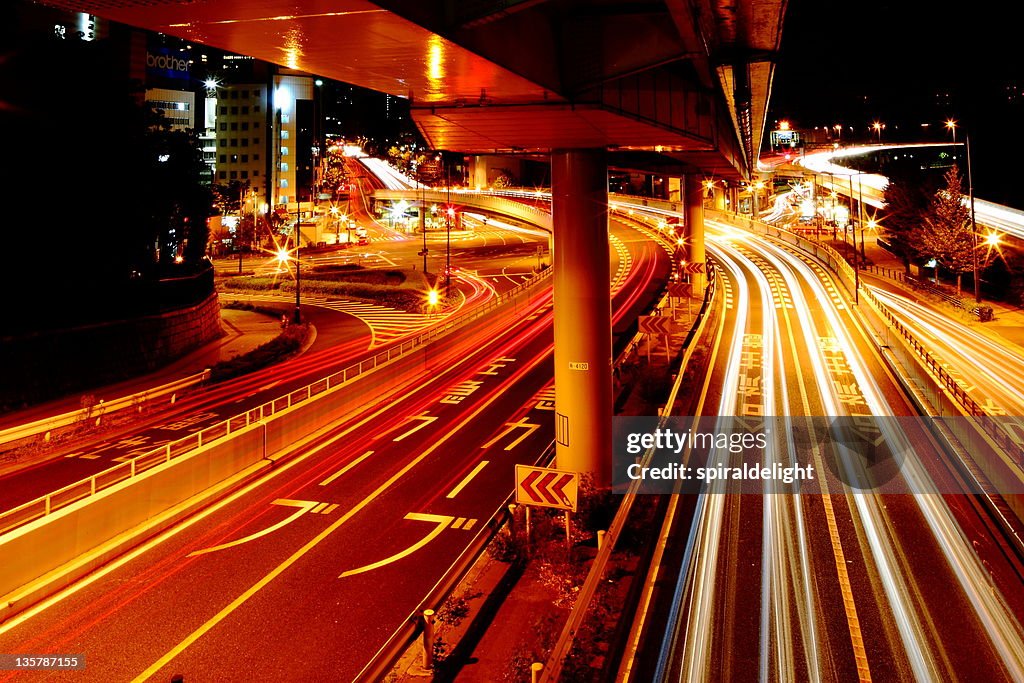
[
  {"x": 425, "y": 421},
  {"x": 303, "y": 505},
  {"x": 509, "y": 426},
  {"x": 441, "y": 522}
]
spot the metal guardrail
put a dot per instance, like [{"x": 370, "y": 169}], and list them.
[
  {"x": 51, "y": 502},
  {"x": 48, "y": 424},
  {"x": 944, "y": 379}
]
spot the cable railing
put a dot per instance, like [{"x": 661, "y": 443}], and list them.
[{"x": 51, "y": 502}]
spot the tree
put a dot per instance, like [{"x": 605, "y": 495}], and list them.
[
  {"x": 946, "y": 233},
  {"x": 907, "y": 197}
]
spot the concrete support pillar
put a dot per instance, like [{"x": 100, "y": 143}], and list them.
[
  {"x": 582, "y": 305},
  {"x": 719, "y": 197},
  {"x": 694, "y": 227}
]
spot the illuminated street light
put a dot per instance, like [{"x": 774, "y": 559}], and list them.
[
  {"x": 878, "y": 129},
  {"x": 992, "y": 239},
  {"x": 951, "y": 126},
  {"x": 974, "y": 225}
]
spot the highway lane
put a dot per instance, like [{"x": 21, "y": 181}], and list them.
[
  {"x": 848, "y": 584},
  {"x": 290, "y": 588},
  {"x": 990, "y": 371}
]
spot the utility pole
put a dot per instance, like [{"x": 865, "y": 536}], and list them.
[
  {"x": 298, "y": 269},
  {"x": 423, "y": 218},
  {"x": 448, "y": 236},
  {"x": 974, "y": 226}
]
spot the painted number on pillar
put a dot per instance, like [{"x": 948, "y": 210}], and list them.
[{"x": 579, "y": 366}]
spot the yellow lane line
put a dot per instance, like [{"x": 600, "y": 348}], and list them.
[
  {"x": 304, "y": 507},
  {"x": 441, "y": 522},
  {"x": 298, "y": 554},
  {"x": 346, "y": 468},
  {"x": 469, "y": 477}
]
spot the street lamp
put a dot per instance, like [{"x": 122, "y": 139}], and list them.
[
  {"x": 337, "y": 225},
  {"x": 448, "y": 214},
  {"x": 433, "y": 298},
  {"x": 974, "y": 225},
  {"x": 878, "y": 129},
  {"x": 298, "y": 271}
]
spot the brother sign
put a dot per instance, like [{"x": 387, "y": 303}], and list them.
[{"x": 163, "y": 63}]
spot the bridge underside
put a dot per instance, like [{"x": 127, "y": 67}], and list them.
[
  {"x": 684, "y": 79},
  {"x": 670, "y": 84}
]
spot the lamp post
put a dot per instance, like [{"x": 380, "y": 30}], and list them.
[
  {"x": 337, "y": 224},
  {"x": 878, "y": 129},
  {"x": 860, "y": 212},
  {"x": 951, "y": 126},
  {"x": 974, "y": 225},
  {"x": 423, "y": 215},
  {"x": 298, "y": 272}
]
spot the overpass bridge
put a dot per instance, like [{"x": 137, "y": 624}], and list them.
[
  {"x": 678, "y": 87},
  {"x": 869, "y": 188}
]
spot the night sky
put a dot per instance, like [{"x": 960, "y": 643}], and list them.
[{"x": 894, "y": 62}]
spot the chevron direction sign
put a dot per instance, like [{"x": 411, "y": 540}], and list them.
[
  {"x": 694, "y": 267},
  {"x": 544, "y": 487},
  {"x": 654, "y": 324},
  {"x": 679, "y": 290}
]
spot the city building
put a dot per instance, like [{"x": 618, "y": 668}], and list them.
[{"x": 241, "y": 130}]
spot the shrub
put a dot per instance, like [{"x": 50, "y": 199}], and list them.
[{"x": 279, "y": 348}]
